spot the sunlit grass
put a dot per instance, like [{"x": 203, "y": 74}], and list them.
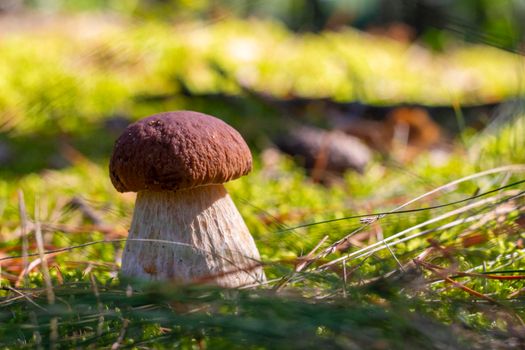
[{"x": 344, "y": 271}]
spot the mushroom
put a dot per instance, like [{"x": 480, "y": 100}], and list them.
[{"x": 185, "y": 225}]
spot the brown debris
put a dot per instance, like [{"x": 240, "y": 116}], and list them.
[
  {"x": 406, "y": 132},
  {"x": 325, "y": 152}
]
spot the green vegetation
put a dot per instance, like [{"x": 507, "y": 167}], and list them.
[
  {"x": 85, "y": 69},
  {"x": 451, "y": 278}
]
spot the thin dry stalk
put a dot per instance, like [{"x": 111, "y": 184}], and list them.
[
  {"x": 30, "y": 267},
  {"x": 457, "y": 274},
  {"x": 508, "y": 168},
  {"x": 45, "y": 268},
  {"x": 70, "y": 248},
  {"x": 65, "y": 249},
  {"x": 310, "y": 255},
  {"x": 344, "y": 279},
  {"x": 509, "y": 258},
  {"x": 116, "y": 345},
  {"x": 265, "y": 283},
  {"x": 211, "y": 278},
  {"x": 26, "y": 297},
  {"x": 332, "y": 248},
  {"x": 489, "y": 276},
  {"x": 60, "y": 276},
  {"x": 393, "y": 255},
  {"x": 100, "y": 307},
  {"x": 380, "y": 245},
  {"x": 23, "y": 233},
  {"x": 37, "y": 338},
  {"x": 303, "y": 261},
  {"x": 517, "y": 293},
  {"x": 10, "y": 300},
  {"x": 47, "y": 277}
]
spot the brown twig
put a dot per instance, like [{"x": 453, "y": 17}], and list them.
[
  {"x": 303, "y": 262},
  {"x": 474, "y": 274},
  {"x": 442, "y": 274},
  {"x": 304, "y": 259}
]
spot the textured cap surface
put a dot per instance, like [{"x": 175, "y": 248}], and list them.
[{"x": 178, "y": 150}]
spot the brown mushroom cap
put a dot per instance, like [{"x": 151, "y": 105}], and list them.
[{"x": 178, "y": 150}]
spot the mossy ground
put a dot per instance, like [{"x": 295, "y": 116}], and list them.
[{"x": 62, "y": 88}]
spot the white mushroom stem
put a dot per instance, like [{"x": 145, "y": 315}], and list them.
[{"x": 191, "y": 235}]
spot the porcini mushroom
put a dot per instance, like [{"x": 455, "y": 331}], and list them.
[{"x": 185, "y": 225}]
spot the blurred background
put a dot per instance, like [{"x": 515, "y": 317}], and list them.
[{"x": 391, "y": 78}]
